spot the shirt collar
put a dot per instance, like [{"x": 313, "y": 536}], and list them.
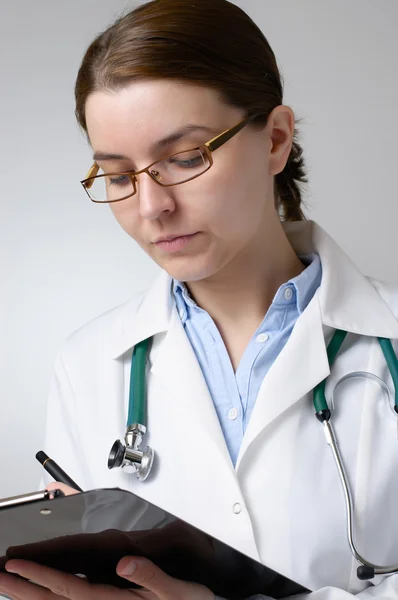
[
  {"x": 304, "y": 286},
  {"x": 348, "y": 299},
  {"x": 183, "y": 300}
]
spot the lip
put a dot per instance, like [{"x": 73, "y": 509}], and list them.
[
  {"x": 170, "y": 238},
  {"x": 172, "y": 244}
]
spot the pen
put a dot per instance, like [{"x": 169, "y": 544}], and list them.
[{"x": 55, "y": 470}]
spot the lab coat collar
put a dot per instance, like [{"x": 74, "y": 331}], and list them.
[
  {"x": 347, "y": 298},
  {"x": 151, "y": 316}
]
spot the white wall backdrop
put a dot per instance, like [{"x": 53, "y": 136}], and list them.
[{"x": 64, "y": 260}]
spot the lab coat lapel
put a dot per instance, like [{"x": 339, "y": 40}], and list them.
[
  {"x": 145, "y": 316},
  {"x": 300, "y": 366},
  {"x": 177, "y": 368},
  {"x": 346, "y": 300},
  {"x": 174, "y": 364}
]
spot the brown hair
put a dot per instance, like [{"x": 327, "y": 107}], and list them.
[{"x": 212, "y": 43}]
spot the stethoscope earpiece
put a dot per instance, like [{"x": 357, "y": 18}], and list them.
[{"x": 364, "y": 573}]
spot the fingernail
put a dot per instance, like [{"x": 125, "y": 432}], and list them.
[
  {"x": 11, "y": 569},
  {"x": 129, "y": 568}
]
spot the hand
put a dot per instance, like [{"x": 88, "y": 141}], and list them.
[{"x": 56, "y": 585}]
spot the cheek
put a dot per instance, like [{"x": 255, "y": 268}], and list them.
[
  {"x": 240, "y": 191},
  {"x": 126, "y": 214},
  {"x": 235, "y": 205}
]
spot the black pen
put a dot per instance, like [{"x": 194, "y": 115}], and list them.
[{"x": 55, "y": 470}]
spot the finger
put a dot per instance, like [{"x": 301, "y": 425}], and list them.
[
  {"x": 62, "y": 584},
  {"x": 20, "y": 589},
  {"x": 143, "y": 572},
  {"x": 5, "y": 594},
  {"x": 53, "y": 584},
  {"x": 68, "y": 491}
]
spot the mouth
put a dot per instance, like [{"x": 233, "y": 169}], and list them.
[
  {"x": 174, "y": 243},
  {"x": 171, "y": 237}
]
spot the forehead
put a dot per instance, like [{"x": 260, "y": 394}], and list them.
[{"x": 149, "y": 109}]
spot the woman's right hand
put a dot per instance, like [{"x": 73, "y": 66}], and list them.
[{"x": 68, "y": 491}]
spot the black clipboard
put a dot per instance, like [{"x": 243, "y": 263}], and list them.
[{"x": 89, "y": 533}]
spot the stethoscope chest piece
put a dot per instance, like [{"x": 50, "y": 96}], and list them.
[{"x": 129, "y": 457}]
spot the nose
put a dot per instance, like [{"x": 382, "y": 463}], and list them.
[{"x": 154, "y": 199}]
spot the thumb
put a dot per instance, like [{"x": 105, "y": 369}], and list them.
[{"x": 146, "y": 574}]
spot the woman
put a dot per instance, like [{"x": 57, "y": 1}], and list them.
[{"x": 240, "y": 318}]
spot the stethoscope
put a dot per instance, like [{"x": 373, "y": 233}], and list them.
[
  {"x": 127, "y": 454},
  {"x": 130, "y": 458},
  {"x": 366, "y": 570}
]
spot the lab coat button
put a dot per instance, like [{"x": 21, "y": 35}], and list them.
[
  {"x": 237, "y": 508},
  {"x": 288, "y": 293},
  {"x": 262, "y": 337},
  {"x": 232, "y": 413}
]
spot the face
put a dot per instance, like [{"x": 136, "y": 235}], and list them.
[{"x": 218, "y": 216}]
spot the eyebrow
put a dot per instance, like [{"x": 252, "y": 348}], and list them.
[{"x": 166, "y": 141}]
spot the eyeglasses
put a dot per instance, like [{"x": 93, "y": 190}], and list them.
[{"x": 170, "y": 170}]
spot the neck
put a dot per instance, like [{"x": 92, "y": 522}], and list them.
[{"x": 239, "y": 296}]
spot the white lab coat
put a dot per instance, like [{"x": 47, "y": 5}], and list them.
[{"x": 285, "y": 485}]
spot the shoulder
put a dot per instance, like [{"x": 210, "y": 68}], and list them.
[
  {"x": 100, "y": 340},
  {"x": 388, "y": 292}
]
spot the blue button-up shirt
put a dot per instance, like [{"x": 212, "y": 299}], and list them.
[{"x": 234, "y": 393}]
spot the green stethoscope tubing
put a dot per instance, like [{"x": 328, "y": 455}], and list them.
[
  {"x": 137, "y": 394},
  {"x": 321, "y": 406}
]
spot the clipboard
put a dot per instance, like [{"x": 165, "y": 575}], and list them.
[{"x": 88, "y": 533}]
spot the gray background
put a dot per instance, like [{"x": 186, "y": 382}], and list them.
[{"x": 64, "y": 260}]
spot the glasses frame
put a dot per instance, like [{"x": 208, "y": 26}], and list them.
[{"x": 208, "y": 148}]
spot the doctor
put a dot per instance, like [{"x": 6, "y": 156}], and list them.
[{"x": 249, "y": 296}]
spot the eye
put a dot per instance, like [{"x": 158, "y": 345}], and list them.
[
  {"x": 120, "y": 181},
  {"x": 187, "y": 163}
]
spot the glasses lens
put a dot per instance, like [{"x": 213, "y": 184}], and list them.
[
  {"x": 177, "y": 168},
  {"x": 110, "y": 187},
  {"x": 180, "y": 167}
]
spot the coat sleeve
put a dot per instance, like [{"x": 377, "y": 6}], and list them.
[
  {"x": 61, "y": 441},
  {"x": 386, "y": 590}
]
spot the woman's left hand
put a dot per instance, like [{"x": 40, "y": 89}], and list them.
[{"x": 53, "y": 584}]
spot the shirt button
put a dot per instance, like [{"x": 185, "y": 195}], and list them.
[
  {"x": 237, "y": 508},
  {"x": 232, "y": 413},
  {"x": 262, "y": 337},
  {"x": 288, "y": 293},
  {"x": 181, "y": 313}
]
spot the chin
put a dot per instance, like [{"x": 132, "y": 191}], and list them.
[{"x": 188, "y": 268}]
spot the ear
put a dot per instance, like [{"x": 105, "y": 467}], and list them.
[{"x": 280, "y": 125}]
